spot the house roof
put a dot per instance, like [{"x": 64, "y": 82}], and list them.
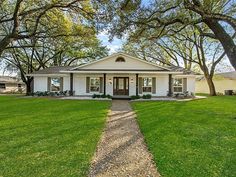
[
  {"x": 181, "y": 69},
  {"x": 53, "y": 70},
  {"x": 227, "y": 75},
  {"x": 9, "y": 79},
  {"x": 92, "y": 67},
  {"x": 230, "y": 75}
]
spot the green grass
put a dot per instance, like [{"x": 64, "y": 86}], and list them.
[
  {"x": 191, "y": 139},
  {"x": 48, "y": 137}
]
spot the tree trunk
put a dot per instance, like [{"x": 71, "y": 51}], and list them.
[
  {"x": 29, "y": 88},
  {"x": 211, "y": 85},
  {"x": 225, "y": 39}
]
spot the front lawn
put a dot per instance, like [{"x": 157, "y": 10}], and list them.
[
  {"x": 48, "y": 137},
  {"x": 191, "y": 139}
]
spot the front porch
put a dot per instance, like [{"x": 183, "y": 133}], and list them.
[{"x": 120, "y": 85}]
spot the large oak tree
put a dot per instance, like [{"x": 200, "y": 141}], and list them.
[{"x": 168, "y": 17}]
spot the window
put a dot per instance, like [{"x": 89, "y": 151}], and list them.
[
  {"x": 178, "y": 85},
  {"x": 94, "y": 84},
  {"x": 19, "y": 88},
  {"x": 55, "y": 84},
  {"x": 120, "y": 59},
  {"x": 2, "y": 86},
  {"x": 147, "y": 84}
]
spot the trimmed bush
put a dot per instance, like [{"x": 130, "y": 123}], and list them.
[
  {"x": 101, "y": 96},
  {"x": 135, "y": 97},
  {"x": 147, "y": 96},
  {"x": 47, "y": 93}
]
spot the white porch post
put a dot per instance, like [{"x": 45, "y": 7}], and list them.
[{"x": 71, "y": 84}]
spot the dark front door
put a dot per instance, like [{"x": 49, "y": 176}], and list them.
[{"x": 121, "y": 86}]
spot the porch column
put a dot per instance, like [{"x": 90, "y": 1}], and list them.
[
  {"x": 136, "y": 84},
  {"x": 170, "y": 85},
  {"x": 71, "y": 84},
  {"x": 104, "y": 84}
]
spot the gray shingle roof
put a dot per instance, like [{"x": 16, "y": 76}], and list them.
[
  {"x": 57, "y": 69},
  {"x": 9, "y": 79},
  {"x": 180, "y": 69},
  {"x": 230, "y": 75},
  {"x": 53, "y": 70}
]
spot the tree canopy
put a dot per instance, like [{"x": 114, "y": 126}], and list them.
[
  {"x": 39, "y": 34},
  {"x": 168, "y": 17}
]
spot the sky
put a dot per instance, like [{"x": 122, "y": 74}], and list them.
[{"x": 114, "y": 46}]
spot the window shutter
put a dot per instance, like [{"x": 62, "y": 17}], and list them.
[
  {"x": 172, "y": 85},
  {"x": 61, "y": 84},
  {"x": 184, "y": 84},
  {"x": 49, "y": 83},
  {"x": 140, "y": 85},
  {"x": 87, "y": 84},
  {"x": 154, "y": 85},
  {"x": 101, "y": 85}
]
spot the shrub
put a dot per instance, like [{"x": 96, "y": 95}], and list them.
[
  {"x": 135, "y": 97},
  {"x": 101, "y": 96},
  {"x": 109, "y": 96},
  {"x": 147, "y": 96},
  {"x": 47, "y": 93}
]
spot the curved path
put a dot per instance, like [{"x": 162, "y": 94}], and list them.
[{"x": 122, "y": 151}]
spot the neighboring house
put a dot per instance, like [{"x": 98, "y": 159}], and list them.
[
  {"x": 222, "y": 81},
  {"x": 11, "y": 84},
  {"x": 118, "y": 75}
]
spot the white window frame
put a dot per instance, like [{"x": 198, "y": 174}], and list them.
[
  {"x": 51, "y": 84},
  {"x": 147, "y": 86},
  {"x": 178, "y": 86},
  {"x": 90, "y": 85}
]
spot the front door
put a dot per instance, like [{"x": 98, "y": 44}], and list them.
[{"x": 121, "y": 86}]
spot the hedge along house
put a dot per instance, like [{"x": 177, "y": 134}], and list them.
[{"x": 119, "y": 75}]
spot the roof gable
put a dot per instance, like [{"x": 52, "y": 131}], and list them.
[{"x": 115, "y": 62}]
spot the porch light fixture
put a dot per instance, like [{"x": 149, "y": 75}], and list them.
[
  {"x": 110, "y": 81},
  {"x": 131, "y": 80}
]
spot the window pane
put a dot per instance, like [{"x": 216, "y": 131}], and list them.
[
  {"x": 147, "y": 89},
  {"x": 127, "y": 84},
  {"x": 55, "y": 84},
  {"x": 178, "y": 82},
  {"x": 147, "y": 81},
  {"x": 94, "y": 84},
  {"x": 121, "y": 83},
  {"x": 177, "y": 89},
  {"x": 2, "y": 86}
]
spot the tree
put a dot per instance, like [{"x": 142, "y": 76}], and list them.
[
  {"x": 20, "y": 19},
  {"x": 187, "y": 49},
  {"x": 46, "y": 52},
  {"x": 57, "y": 33},
  {"x": 168, "y": 17}
]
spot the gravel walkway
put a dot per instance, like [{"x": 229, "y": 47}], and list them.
[{"x": 122, "y": 151}]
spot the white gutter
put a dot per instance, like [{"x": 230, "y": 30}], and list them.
[{"x": 124, "y": 72}]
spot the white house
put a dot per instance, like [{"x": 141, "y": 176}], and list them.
[
  {"x": 222, "y": 82},
  {"x": 11, "y": 85},
  {"x": 119, "y": 75}
]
